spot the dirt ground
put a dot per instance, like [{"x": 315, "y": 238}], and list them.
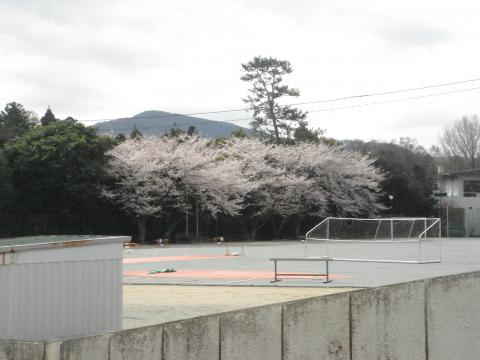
[{"x": 153, "y": 304}]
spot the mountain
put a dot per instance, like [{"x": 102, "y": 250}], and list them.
[{"x": 160, "y": 122}]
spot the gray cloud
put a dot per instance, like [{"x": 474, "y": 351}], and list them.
[
  {"x": 405, "y": 33},
  {"x": 112, "y": 58},
  {"x": 79, "y": 34}
]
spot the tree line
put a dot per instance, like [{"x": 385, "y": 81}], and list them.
[
  {"x": 58, "y": 176},
  {"x": 246, "y": 180}
]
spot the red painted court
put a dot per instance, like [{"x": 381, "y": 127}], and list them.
[
  {"x": 170, "y": 258},
  {"x": 222, "y": 274},
  {"x": 198, "y": 267}
]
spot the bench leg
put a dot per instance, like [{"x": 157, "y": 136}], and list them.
[
  {"x": 327, "y": 273},
  {"x": 275, "y": 269}
]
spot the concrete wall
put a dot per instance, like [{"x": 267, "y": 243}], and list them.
[
  {"x": 305, "y": 335},
  {"x": 453, "y": 317},
  {"x": 192, "y": 339},
  {"x": 389, "y": 322},
  {"x": 250, "y": 333},
  {"x": 434, "y": 319}
]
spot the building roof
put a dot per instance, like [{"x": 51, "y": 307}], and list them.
[
  {"x": 55, "y": 241},
  {"x": 461, "y": 173}
]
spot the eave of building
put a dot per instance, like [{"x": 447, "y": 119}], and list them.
[{"x": 460, "y": 173}]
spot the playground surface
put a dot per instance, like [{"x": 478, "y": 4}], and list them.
[
  {"x": 148, "y": 305},
  {"x": 207, "y": 279},
  {"x": 208, "y": 264}
]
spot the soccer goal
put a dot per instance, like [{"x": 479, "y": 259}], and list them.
[{"x": 396, "y": 240}]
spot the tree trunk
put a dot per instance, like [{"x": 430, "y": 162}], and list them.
[
  {"x": 273, "y": 224},
  {"x": 274, "y": 122},
  {"x": 257, "y": 225},
  {"x": 280, "y": 228},
  {"x": 90, "y": 221},
  {"x": 171, "y": 228},
  {"x": 142, "y": 229},
  {"x": 298, "y": 224},
  {"x": 253, "y": 234}
]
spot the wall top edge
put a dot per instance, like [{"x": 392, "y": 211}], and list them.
[{"x": 52, "y": 242}]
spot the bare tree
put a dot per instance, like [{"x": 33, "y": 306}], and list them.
[{"x": 462, "y": 140}]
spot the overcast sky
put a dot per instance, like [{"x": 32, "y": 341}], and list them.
[{"x": 105, "y": 59}]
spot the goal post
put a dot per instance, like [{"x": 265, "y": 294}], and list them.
[{"x": 399, "y": 240}]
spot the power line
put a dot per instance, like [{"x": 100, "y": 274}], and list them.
[
  {"x": 388, "y": 92},
  {"x": 311, "y": 111},
  {"x": 395, "y": 100},
  {"x": 294, "y": 104}
]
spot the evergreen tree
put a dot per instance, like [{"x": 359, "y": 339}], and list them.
[
  {"x": 175, "y": 131},
  {"x": 303, "y": 134},
  {"x": 136, "y": 134},
  {"x": 57, "y": 168},
  {"x": 266, "y": 76},
  {"x": 120, "y": 138},
  {"x": 239, "y": 133},
  {"x": 15, "y": 120},
  {"x": 192, "y": 131},
  {"x": 48, "y": 118}
]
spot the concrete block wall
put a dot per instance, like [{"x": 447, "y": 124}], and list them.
[
  {"x": 192, "y": 339},
  {"x": 453, "y": 317},
  {"x": 252, "y": 334},
  {"x": 389, "y": 322},
  {"x": 317, "y": 328},
  {"x": 433, "y": 319},
  {"x": 21, "y": 350}
]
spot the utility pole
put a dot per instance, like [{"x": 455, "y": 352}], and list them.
[
  {"x": 196, "y": 213},
  {"x": 186, "y": 222}
]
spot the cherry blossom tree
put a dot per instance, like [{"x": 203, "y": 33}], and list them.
[
  {"x": 152, "y": 175},
  {"x": 240, "y": 177},
  {"x": 306, "y": 180}
]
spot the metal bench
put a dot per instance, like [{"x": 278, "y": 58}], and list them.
[{"x": 322, "y": 258}]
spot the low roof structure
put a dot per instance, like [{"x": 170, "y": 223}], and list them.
[
  {"x": 469, "y": 172},
  {"x": 55, "y": 241}
]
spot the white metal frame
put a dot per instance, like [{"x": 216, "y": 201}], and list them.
[{"x": 422, "y": 237}]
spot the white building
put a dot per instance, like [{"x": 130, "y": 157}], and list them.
[
  {"x": 60, "y": 286},
  {"x": 459, "y": 191}
]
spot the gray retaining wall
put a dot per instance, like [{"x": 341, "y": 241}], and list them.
[
  {"x": 433, "y": 319},
  {"x": 389, "y": 322},
  {"x": 306, "y": 335},
  {"x": 453, "y": 317},
  {"x": 252, "y": 334}
]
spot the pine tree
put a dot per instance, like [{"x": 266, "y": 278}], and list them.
[
  {"x": 192, "y": 131},
  {"x": 136, "y": 134},
  {"x": 266, "y": 76},
  {"x": 48, "y": 118},
  {"x": 14, "y": 121}
]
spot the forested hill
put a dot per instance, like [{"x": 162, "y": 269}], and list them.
[{"x": 159, "y": 122}]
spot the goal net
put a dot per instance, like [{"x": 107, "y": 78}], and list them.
[{"x": 403, "y": 240}]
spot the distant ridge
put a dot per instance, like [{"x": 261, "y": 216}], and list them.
[{"x": 160, "y": 122}]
